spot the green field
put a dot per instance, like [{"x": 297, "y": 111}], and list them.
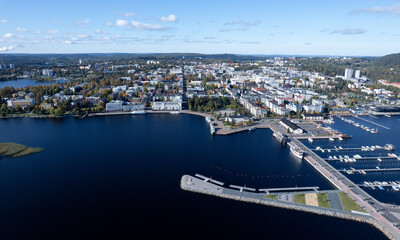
[
  {"x": 271, "y": 196},
  {"x": 323, "y": 200},
  {"x": 300, "y": 198},
  {"x": 17, "y": 150},
  {"x": 348, "y": 203}
]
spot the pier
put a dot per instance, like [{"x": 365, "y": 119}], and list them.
[
  {"x": 241, "y": 189},
  {"x": 376, "y": 185},
  {"x": 206, "y": 179},
  {"x": 268, "y": 190},
  {"x": 370, "y": 170},
  {"x": 192, "y": 184},
  {"x": 368, "y": 148},
  {"x": 362, "y": 158},
  {"x": 372, "y": 122}
]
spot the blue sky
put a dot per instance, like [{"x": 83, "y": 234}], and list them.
[{"x": 350, "y": 28}]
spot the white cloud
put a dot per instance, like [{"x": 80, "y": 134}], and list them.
[
  {"x": 146, "y": 26},
  {"x": 243, "y": 23},
  {"x": 136, "y": 25},
  {"x": 99, "y": 31},
  {"x": 68, "y": 42},
  {"x": 82, "y": 35},
  {"x": 129, "y": 14},
  {"x": 22, "y": 29},
  {"x": 109, "y": 23},
  {"x": 348, "y": 31},
  {"x": 209, "y": 37},
  {"x": 170, "y": 18},
  {"x": 249, "y": 42},
  {"x": 9, "y": 48},
  {"x": 8, "y": 35},
  {"x": 226, "y": 30},
  {"x": 82, "y": 22},
  {"x": 55, "y": 31},
  {"x": 121, "y": 23},
  {"x": 3, "y": 21},
  {"x": 391, "y": 10}
]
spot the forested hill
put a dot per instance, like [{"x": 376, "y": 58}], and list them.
[{"x": 391, "y": 60}]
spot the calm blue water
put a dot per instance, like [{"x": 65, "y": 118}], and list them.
[
  {"x": 363, "y": 138},
  {"x": 27, "y": 82},
  {"x": 118, "y": 178}
]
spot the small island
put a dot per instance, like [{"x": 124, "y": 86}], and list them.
[{"x": 17, "y": 150}]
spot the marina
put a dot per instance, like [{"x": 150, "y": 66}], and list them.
[
  {"x": 379, "y": 125},
  {"x": 388, "y": 147},
  {"x": 365, "y": 128}
]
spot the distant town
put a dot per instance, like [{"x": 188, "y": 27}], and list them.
[{"x": 238, "y": 91}]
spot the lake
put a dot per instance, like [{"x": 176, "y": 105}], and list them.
[
  {"x": 21, "y": 83},
  {"x": 118, "y": 177}
]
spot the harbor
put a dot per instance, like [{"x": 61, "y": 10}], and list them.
[{"x": 386, "y": 217}]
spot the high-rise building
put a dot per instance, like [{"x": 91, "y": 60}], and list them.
[
  {"x": 47, "y": 72},
  {"x": 184, "y": 89},
  {"x": 357, "y": 74},
  {"x": 12, "y": 66},
  {"x": 348, "y": 73}
]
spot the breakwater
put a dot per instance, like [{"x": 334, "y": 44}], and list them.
[{"x": 189, "y": 183}]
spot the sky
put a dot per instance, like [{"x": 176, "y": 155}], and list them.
[{"x": 308, "y": 27}]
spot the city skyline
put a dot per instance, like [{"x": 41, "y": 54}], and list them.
[{"x": 357, "y": 28}]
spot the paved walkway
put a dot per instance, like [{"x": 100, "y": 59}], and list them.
[{"x": 334, "y": 201}]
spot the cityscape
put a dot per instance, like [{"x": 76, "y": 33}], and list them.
[{"x": 159, "y": 122}]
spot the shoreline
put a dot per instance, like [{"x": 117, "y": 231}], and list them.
[{"x": 220, "y": 128}]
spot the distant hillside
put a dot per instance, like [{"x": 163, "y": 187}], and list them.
[
  {"x": 392, "y": 60},
  {"x": 42, "y": 59}
]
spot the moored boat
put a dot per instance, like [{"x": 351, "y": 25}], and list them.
[{"x": 297, "y": 152}]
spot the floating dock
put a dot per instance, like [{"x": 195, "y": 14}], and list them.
[
  {"x": 207, "y": 179},
  {"x": 370, "y": 170},
  {"x": 241, "y": 189},
  {"x": 268, "y": 190},
  {"x": 372, "y": 122}
]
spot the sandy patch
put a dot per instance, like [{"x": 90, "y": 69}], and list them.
[{"x": 311, "y": 199}]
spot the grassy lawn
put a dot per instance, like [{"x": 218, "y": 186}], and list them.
[
  {"x": 323, "y": 200},
  {"x": 348, "y": 203},
  {"x": 300, "y": 198},
  {"x": 271, "y": 196},
  {"x": 17, "y": 150}
]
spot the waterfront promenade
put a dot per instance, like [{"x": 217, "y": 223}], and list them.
[{"x": 193, "y": 184}]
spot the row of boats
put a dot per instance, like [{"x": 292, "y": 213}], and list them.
[
  {"x": 388, "y": 147},
  {"x": 330, "y": 139},
  {"x": 365, "y": 128},
  {"x": 352, "y": 170},
  {"x": 212, "y": 128},
  {"x": 376, "y": 184},
  {"x": 345, "y": 158}
]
